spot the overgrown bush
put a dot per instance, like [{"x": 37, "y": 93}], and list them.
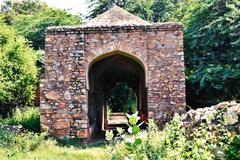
[
  {"x": 19, "y": 143},
  {"x": 28, "y": 141},
  {"x": 28, "y": 117},
  {"x": 233, "y": 151},
  {"x": 25, "y": 143},
  {"x": 7, "y": 139},
  {"x": 18, "y": 72},
  {"x": 174, "y": 142}
]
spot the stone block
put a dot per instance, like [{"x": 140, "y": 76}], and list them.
[
  {"x": 52, "y": 95},
  {"x": 83, "y": 133},
  {"x": 62, "y": 124}
]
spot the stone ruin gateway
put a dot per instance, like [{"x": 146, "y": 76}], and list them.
[{"x": 83, "y": 61}]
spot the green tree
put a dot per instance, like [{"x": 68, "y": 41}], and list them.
[
  {"x": 18, "y": 72},
  {"x": 23, "y": 7},
  {"x": 100, "y": 6},
  {"x": 151, "y": 10},
  {"x": 163, "y": 10},
  {"x": 121, "y": 98},
  {"x": 33, "y": 26},
  {"x": 141, "y": 8},
  {"x": 30, "y": 18},
  {"x": 212, "y": 52},
  {"x": 12, "y": 8}
]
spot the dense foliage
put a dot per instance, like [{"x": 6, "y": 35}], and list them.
[
  {"x": 30, "y": 19},
  {"x": 140, "y": 8},
  {"x": 28, "y": 117},
  {"x": 18, "y": 61},
  {"x": 213, "y": 51},
  {"x": 19, "y": 143},
  {"x": 151, "y": 10},
  {"x": 18, "y": 71},
  {"x": 204, "y": 142},
  {"x": 212, "y": 42},
  {"x": 121, "y": 98},
  {"x": 233, "y": 150}
]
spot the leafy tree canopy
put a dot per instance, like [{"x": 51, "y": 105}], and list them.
[
  {"x": 18, "y": 71},
  {"x": 30, "y": 19},
  {"x": 142, "y": 8},
  {"x": 212, "y": 51},
  {"x": 151, "y": 10}
]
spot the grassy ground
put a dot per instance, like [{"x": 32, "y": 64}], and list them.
[
  {"x": 13, "y": 147},
  {"x": 49, "y": 150}
]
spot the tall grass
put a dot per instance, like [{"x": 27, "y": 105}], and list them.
[{"x": 28, "y": 117}]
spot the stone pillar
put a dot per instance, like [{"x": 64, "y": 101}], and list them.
[
  {"x": 63, "y": 90},
  {"x": 166, "y": 81}
]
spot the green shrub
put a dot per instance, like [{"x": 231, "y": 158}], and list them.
[
  {"x": 167, "y": 144},
  {"x": 233, "y": 151},
  {"x": 29, "y": 141},
  {"x": 174, "y": 142},
  {"x": 19, "y": 143},
  {"x": 18, "y": 72},
  {"x": 25, "y": 143},
  {"x": 7, "y": 139},
  {"x": 28, "y": 117}
]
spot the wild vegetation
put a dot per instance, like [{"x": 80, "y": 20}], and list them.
[
  {"x": 121, "y": 98},
  {"x": 212, "y": 58},
  {"x": 38, "y": 146},
  {"x": 22, "y": 26},
  {"x": 33, "y": 145},
  {"x": 18, "y": 71},
  {"x": 206, "y": 141},
  {"x": 28, "y": 117},
  {"x": 30, "y": 18}
]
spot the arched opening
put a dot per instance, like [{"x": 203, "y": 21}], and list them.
[{"x": 116, "y": 85}]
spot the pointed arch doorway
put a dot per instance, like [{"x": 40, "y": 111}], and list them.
[{"x": 120, "y": 74}]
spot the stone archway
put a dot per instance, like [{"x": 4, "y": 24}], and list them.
[
  {"x": 75, "y": 56},
  {"x": 103, "y": 75}
]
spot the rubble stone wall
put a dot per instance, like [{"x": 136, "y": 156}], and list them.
[
  {"x": 231, "y": 115},
  {"x": 71, "y": 51}
]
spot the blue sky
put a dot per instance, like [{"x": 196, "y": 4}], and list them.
[{"x": 74, "y": 6}]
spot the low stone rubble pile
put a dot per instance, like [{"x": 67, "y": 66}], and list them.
[
  {"x": 231, "y": 115},
  {"x": 18, "y": 129}
]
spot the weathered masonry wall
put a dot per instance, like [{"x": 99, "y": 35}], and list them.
[{"x": 71, "y": 51}]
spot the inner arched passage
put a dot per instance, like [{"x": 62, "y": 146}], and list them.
[{"x": 104, "y": 75}]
